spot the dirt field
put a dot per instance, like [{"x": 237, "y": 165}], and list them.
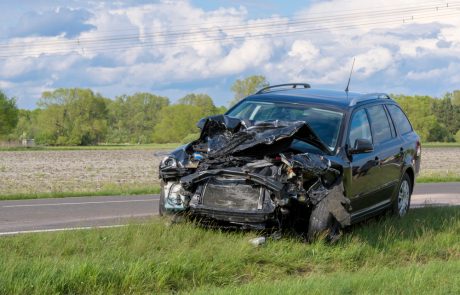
[
  {"x": 440, "y": 161},
  {"x": 52, "y": 171},
  {"x": 93, "y": 170}
]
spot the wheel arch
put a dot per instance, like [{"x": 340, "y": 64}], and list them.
[{"x": 410, "y": 171}]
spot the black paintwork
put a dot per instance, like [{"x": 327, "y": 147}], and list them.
[{"x": 370, "y": 179}]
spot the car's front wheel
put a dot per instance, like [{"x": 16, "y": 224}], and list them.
[
  {"x": 161, "y": 205},
  {"x": 322, "y": 224},
  {"x": 401, "y": 203}
]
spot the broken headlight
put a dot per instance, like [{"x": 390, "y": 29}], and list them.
[
  {"x": 169, "y": 162},
  {"x": 174, "y": 197}
]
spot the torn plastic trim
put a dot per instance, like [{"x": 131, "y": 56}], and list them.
[{"x": 191, "y": 179}]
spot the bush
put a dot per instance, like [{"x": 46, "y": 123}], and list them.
[{"x": 457, "y": 136}]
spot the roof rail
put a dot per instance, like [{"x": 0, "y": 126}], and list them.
[
  {"x": 367, "y": 96},
  {"x": 294, "y": 85},
  {"x": 376, "y": 95}
]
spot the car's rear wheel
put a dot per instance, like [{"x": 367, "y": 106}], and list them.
[{"x": 401, "y": 203}]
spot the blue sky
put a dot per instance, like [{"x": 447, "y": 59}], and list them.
[{"x": 174, "y": 47}]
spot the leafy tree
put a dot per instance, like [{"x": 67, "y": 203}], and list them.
[
  {"x": 247, "y": 86},
  {"x": 72, "y": 117},
  {"x": 132, "y": 118},
  {"x": 179, "y": 121},
  {"x": 27, "y": 124},
  {"x": 176, "y": 122},
  {"x": 202, "y": 101},
  {"x": 8, "y": 115},
  {"x": 456, "y": 97},
  {"x": 457, "y": 136},
  {"x": 447, "y": 113}
]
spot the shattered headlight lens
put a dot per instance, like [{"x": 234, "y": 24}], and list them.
[
  {"x": 169, "y": 162},
  {"x": 174, "y": 196}
]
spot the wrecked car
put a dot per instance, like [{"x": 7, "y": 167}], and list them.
[{"x": 292, "y": 157}]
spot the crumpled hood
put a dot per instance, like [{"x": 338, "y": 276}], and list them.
[{"x": 224, "y": 135}]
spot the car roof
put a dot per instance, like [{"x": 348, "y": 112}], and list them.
[{"x": 334, "y": 98}]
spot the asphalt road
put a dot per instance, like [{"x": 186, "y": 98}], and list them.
[{"x": 87, "y": 212}]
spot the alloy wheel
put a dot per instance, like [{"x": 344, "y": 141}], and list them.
[{"x": 403, "y": 198}]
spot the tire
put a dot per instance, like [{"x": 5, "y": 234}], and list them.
[
  {"x": 322, "y": 224},
  {"x": 161, "y": 205},
  {"x": 402, "y": 199}
]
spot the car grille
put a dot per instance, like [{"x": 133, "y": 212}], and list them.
[{"x": 233, "y": 194}]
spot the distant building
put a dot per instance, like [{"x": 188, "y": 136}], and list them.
[{"x": 28, "y": 142}]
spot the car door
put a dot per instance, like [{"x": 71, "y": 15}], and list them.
[
  {"x": 388, "y": 153},
  {"x": 364, "y": 174}
]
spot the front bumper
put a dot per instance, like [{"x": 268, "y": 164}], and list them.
[{"x": 255, "y": 220}]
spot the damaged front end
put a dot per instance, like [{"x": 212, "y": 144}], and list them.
[{"x": 250, "y": 174}]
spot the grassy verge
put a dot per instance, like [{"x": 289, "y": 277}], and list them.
[
  {"x": 440, "y": 144},
  {"x": 438, "y": 178},
  {"x": 154, "y": 146},
  {"x": 430, "y": 278},
  {"x": 423, "y": 248},
  {"x": 107, "y": 191}
]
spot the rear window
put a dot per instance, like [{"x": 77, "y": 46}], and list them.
[
  {"x": 399, "y": 118},
  {"x": 380, "y": 124}
]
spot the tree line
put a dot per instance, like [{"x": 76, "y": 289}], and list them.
[{"x": 75, "y": 116}]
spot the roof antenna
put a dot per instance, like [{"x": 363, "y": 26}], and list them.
[{"x": 349, "y": 78}]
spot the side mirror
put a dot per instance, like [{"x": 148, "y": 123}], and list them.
[{"x": 362, "y": 146}]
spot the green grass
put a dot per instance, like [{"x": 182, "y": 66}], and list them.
[
  {"x": 108, "y": 190},
  {"x": 440, "y": 144},
  {"x": 419, "y": 253},
  {"x": 154, "y": 146},
  {"x": 430, "y": 278},
  {"x": 439, "y": 178}
]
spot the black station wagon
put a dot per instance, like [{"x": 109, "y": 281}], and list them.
[{"x": 292, "y": 157}]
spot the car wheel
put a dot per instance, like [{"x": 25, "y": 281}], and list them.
[
  {"x": 402, "y": 201},
  {"x": 161, "y": 205},
  {"x": 322, "y": 225}
]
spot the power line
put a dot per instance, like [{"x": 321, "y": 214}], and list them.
[
  {"x": 435, "y": 3},
  {"x": 258, "y": 36},
  {"x": 268, "y": 34},
  {"x": 237, "y": 28}
]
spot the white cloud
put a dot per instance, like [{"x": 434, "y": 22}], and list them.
[
  {"x": 252, "y": 53},
  {"x": 303, "y": 50},
  {"x": 169, "y": 44}
]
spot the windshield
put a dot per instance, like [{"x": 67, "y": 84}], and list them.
[{"x": 325, "y": 123}]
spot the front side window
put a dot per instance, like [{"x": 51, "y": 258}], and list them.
[
  {"x": 400, "y": 119},
  {"x": 360, "y": 128},
  {"x": 324, "y": 122},
  {"x": 380, "y": 124}
]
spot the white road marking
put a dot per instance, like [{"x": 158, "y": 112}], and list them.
[
  {"x": 77, "y": 203},
  {"x": 59, "y": 229}
]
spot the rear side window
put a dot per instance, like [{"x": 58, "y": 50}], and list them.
[
  {"x": 380, "y": 124},
  {"x": 359, "y": 127},
  {"x": 400, "y": 119}
]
